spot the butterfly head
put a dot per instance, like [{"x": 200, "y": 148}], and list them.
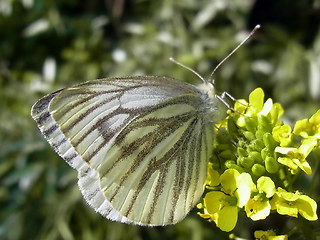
[{"x": 208, "y": 89}]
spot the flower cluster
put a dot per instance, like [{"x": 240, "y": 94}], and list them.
[{"x": 255, "y": 157}]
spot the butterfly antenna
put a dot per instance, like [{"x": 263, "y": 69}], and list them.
[
  {"x": 233, "y": 51},
  {"x": 188, "y": 68}
]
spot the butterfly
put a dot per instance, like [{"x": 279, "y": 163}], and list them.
[{"x": 140, "y": 144}]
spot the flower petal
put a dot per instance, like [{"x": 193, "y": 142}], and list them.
[
  {"x": 228, "y": 180},
  {"x": 284, "y": 202},
  {"x": 303, "y": 165},
  {"x": 315, "y": 118},
  {"x": 256, "y": 99},
  {"x": 214, "y": 201},
  {"x": 287, "y": 162},
  {"x": 245, "y": 186},
  {"x": 307, "y": 207},
  {"x": 213, "y": 177},
  {"x": 266, "y": 185},
  {"x": 227, "y": 218},
  {"x": 267, "y": 107},
  {"x": 257, "y": 209}
]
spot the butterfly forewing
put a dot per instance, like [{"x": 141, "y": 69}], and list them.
[{"x": 140, "y": 144}]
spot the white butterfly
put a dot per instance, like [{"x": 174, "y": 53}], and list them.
[{"x": 140, "y": 144}]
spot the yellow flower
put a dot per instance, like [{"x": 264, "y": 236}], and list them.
[
  {"x": 283, "y": 135},
  {"x": 256, "y": 112},
  {"x": 296, "y": 157},
  {"x": 222, "y": 206},
  {"x": 308, "y": 128},
  {"x": 258, "y": 207},
  {"x": 253, "y": 141},
  {"x": 268, "y": 235},
  {"x": 251, "y": 109},
  {"x": 222, "y": 209},
  {"x": 287, "y": 203},
  {"x": 258, "y": 107},
  {"x": 238, "y": 185}
]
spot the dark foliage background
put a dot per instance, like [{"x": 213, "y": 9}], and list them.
[{"x": 46, "y": 45}]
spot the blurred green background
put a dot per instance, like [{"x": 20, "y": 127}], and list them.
[{"x": 46, "y": 45}]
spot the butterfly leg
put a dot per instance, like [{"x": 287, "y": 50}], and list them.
[{"x": 224, "y": 97}]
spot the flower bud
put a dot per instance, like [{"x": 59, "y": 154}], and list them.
[
  {"x": 258, "y": 169},
  {"x": 241, "y": 152},
  {"x": 245, "y": 162},
  {"x": 256, "y": 156},
  {"x": 249, "y": 135},
  {"x": 264, "y": 123},
  {"x": 272, "y": 166},
  {"x": 251, "y": 124},
  {"x": 269, "y": 141}
]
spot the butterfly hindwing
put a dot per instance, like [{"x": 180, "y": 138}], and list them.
[
  {"x": 140, "y": 145},
  {"x": 88, "y": 181}
]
